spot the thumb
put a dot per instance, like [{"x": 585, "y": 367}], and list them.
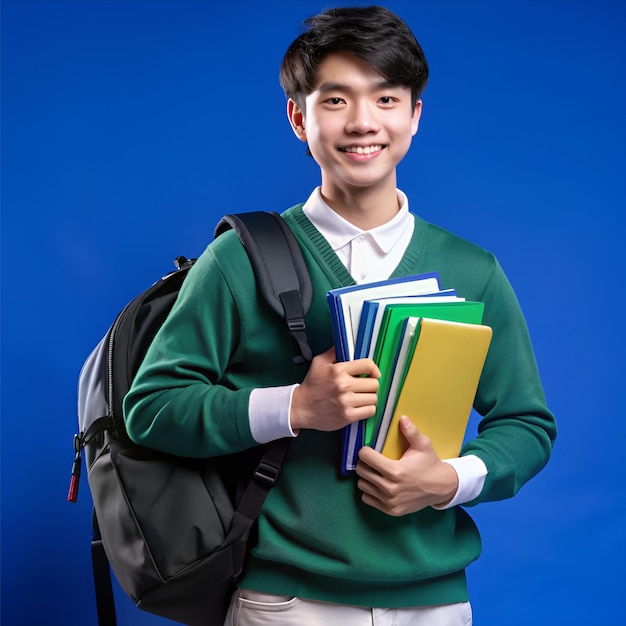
[{"x": 411, "y": 433}]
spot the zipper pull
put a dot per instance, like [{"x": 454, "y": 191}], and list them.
[{"x": 72, "y": 495}]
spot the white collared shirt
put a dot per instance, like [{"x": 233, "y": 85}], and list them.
[{"x": 368, "y": 256}]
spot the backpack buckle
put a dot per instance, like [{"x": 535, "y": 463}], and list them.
[
  {"x": 266, "y": 473},
  {"x": 296, "y": 325}
]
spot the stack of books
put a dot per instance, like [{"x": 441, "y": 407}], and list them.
[{"x": 430, "y": 347}]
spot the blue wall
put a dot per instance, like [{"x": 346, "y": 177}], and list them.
[{"x": 129, "y": 127}]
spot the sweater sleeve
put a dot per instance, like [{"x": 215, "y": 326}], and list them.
[
  {"x": 181, "y": 401},
  {"x": 517, "y": 430}
]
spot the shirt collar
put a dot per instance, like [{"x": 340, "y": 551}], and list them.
[{"x": 339, "y": 231}]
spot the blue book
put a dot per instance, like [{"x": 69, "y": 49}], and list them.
[{"x": 345, "y": 305}]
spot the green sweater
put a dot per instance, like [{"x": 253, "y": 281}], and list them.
[{"x": 316, "y": 538}]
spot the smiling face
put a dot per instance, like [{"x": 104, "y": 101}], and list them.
[{"x": 358, "y": 127}]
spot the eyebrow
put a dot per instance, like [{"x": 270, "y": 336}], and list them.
[{"x": 331, "y": 86}]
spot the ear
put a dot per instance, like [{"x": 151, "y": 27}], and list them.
[
  {"x": 415, "y": 118},
  {"x": 296, "y": 119}
]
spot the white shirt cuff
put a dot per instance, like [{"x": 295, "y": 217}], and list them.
[
  {"x": 268, "y": 412},
  {"x": 472, "y": 473}
]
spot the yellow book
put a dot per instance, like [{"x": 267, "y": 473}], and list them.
[{"x": 440, "y": 385}]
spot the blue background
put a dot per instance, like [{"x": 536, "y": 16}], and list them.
[{"x": 129, "y": 127}]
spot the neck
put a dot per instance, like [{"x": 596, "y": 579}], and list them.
[{"x": 365, "y": 208}]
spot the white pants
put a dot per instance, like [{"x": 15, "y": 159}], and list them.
[{"x": 251, "y": 608}]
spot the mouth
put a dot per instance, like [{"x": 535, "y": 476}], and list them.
[{"x": 366, "y": 150}]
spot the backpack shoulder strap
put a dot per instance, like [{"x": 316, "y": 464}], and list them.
[
  {"x": 283, "y": 278},
  {"x": 279, "y": 268}
]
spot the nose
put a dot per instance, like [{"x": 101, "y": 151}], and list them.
[{"x": 362, "y": 118}]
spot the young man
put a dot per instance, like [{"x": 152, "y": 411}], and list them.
[{"x": 391, "y": 545}]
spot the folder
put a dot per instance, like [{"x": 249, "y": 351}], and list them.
[{"x": 439, "y": 387}]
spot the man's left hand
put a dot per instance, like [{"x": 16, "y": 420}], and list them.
[{"x": 418, "y": 480}]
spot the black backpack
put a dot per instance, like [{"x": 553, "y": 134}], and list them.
[{"x": 176, "y": 531}]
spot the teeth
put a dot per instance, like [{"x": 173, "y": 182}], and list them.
[{"x": 363, "y": 150}]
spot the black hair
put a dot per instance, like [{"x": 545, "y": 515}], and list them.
[{"x": 374, "y": 34}]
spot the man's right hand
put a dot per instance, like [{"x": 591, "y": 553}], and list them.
[{"x": 333, "y": 394}]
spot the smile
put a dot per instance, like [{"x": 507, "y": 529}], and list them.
[{"x": 362, "y": 149}]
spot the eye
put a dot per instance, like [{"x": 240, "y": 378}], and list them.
[
  {"x": 386, "y": 100},
  {"x": 334, "y": 101}
]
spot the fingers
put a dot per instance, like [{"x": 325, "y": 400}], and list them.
[
  {"x": 385, "y": 492},
  {"x": 419, "y": 479},
  {"x": 373, "y": 461},
  {"x": 362, "y": 367},
  {"x": 358, "y": 377},
  {"x": 356, "y": 368},
  {"x": 333, "y": 395},
  {"x": 388, "y": 467},
  {"x": 360, "y": 385}
]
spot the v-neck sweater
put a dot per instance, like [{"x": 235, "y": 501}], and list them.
[{"x": 316, "y": 539}]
